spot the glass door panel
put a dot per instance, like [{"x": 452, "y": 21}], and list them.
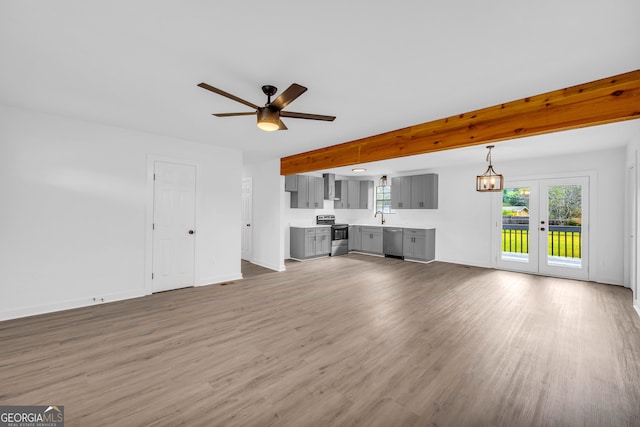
[
  {"x": 563, "y": 227},
  {"x": 518, "y": 244}
]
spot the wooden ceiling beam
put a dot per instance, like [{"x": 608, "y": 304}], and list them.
[{"x": 608, "y": 100}]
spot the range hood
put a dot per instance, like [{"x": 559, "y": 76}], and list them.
[{"x": 329, "y": 186}]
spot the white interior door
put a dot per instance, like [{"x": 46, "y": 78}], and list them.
[
  {"x": 247, "y": 214},
  {"x": 173, "y": 226},
  {"x": 544, "y": 227}
]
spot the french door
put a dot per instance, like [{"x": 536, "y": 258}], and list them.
[{"x": 544, "y": 227}]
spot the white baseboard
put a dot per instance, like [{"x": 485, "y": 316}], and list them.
[
  {"x": 69, "y": 304},
  {"x": 366, "y": 253},
  {"x": 419, "y": 261},
  {"x": 214, "y": 280},
  {"x": 268, "y": 265},
  {"x": 465, "y": 263},
  {"x": 309, "y": 259},
  {"x": 636, "y": 305}
]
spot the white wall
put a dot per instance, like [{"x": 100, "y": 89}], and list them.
[
  {"x": 75, "y": 205},
  {"x": 463, "y": 219},
  {"x": 632, "y": 261},
  {"x": 607, "y": 203},
  {"x": 268, "y": 204}
]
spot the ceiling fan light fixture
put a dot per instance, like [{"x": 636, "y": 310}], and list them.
[
  {"x": 268, "y": 120},
  {"x": 269, "y": 115}
]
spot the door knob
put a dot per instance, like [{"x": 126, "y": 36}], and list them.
[
  {"x": 248, "y": 225},
  {"x": 191, "y": 231}
]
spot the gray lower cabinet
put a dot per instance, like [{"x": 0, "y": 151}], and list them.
[
  {"x": 307, "y": 192},
  {"x": 419, "y": 244},
  {"x": 323, "y": 241},
  {"x": 372, "y": 240},
  {"x": 355, "y": 238},
  {"x": 310, "y": 242}
]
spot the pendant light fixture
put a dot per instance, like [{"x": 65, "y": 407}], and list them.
[
  {"x": 383, "y": 181},
  {"x": 490, "y": 180}
]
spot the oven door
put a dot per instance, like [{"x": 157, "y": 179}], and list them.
[
  {"x": 340, "y": 232},
  {"x": 339, "y": 239}
]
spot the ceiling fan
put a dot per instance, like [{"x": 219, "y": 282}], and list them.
[{"x": 269, "y": 116}]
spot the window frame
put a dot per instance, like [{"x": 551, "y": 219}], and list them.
[{"x": 383, "y": 204}]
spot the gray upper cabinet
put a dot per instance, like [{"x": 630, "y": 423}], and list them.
[
  {"x": 352, "y": 194},
  {"x": 366, "y": 194},
  {"x": 401, "y": 192},
  {"x": 300, "y": 198},
  {"x": 342, "y": 194},
  {"x": 308, "y": 193},
  {"x": 317, "y": 201},
  {"x": 424, "y": 191},
  {"x": 415, "y": 192},
  {"x": 291, "y": 183}
]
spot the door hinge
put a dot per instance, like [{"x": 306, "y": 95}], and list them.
[
  {"x": 153, "y": 226},
  {"x": 151, "y": 276}
]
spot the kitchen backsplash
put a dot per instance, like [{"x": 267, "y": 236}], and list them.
[{"x": 405, "y": 217}]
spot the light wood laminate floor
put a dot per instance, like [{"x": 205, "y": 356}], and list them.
[{"x": 351, "y": 340}]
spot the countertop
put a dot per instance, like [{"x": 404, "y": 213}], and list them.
[
  {"x": 423, "y": 227},
  {"x": 366, "y": 225}
]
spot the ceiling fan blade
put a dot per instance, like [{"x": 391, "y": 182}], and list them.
[
  {"x": 282, "y": 126},
  {"x": 288, "y": 96},
  {"x": 306, "y": 116},
  {"x": 228, "y": 95},
  {"x": 253, "y": 113}
]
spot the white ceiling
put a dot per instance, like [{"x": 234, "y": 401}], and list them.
[{"x": 376, "y": 65}]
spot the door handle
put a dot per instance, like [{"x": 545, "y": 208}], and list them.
[
  {"x": 248, "y": 225},
  {"x": 191, "y": 231},
  {"x": 541, "y": 228}
]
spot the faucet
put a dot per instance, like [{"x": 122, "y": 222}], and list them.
[{"x": 381, "y": 214}]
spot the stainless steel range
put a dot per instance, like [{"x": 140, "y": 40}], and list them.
[{"x": 339, "y": 234}]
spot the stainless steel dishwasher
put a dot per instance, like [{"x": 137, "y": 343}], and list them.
[{"x": 392, "y": 241}]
